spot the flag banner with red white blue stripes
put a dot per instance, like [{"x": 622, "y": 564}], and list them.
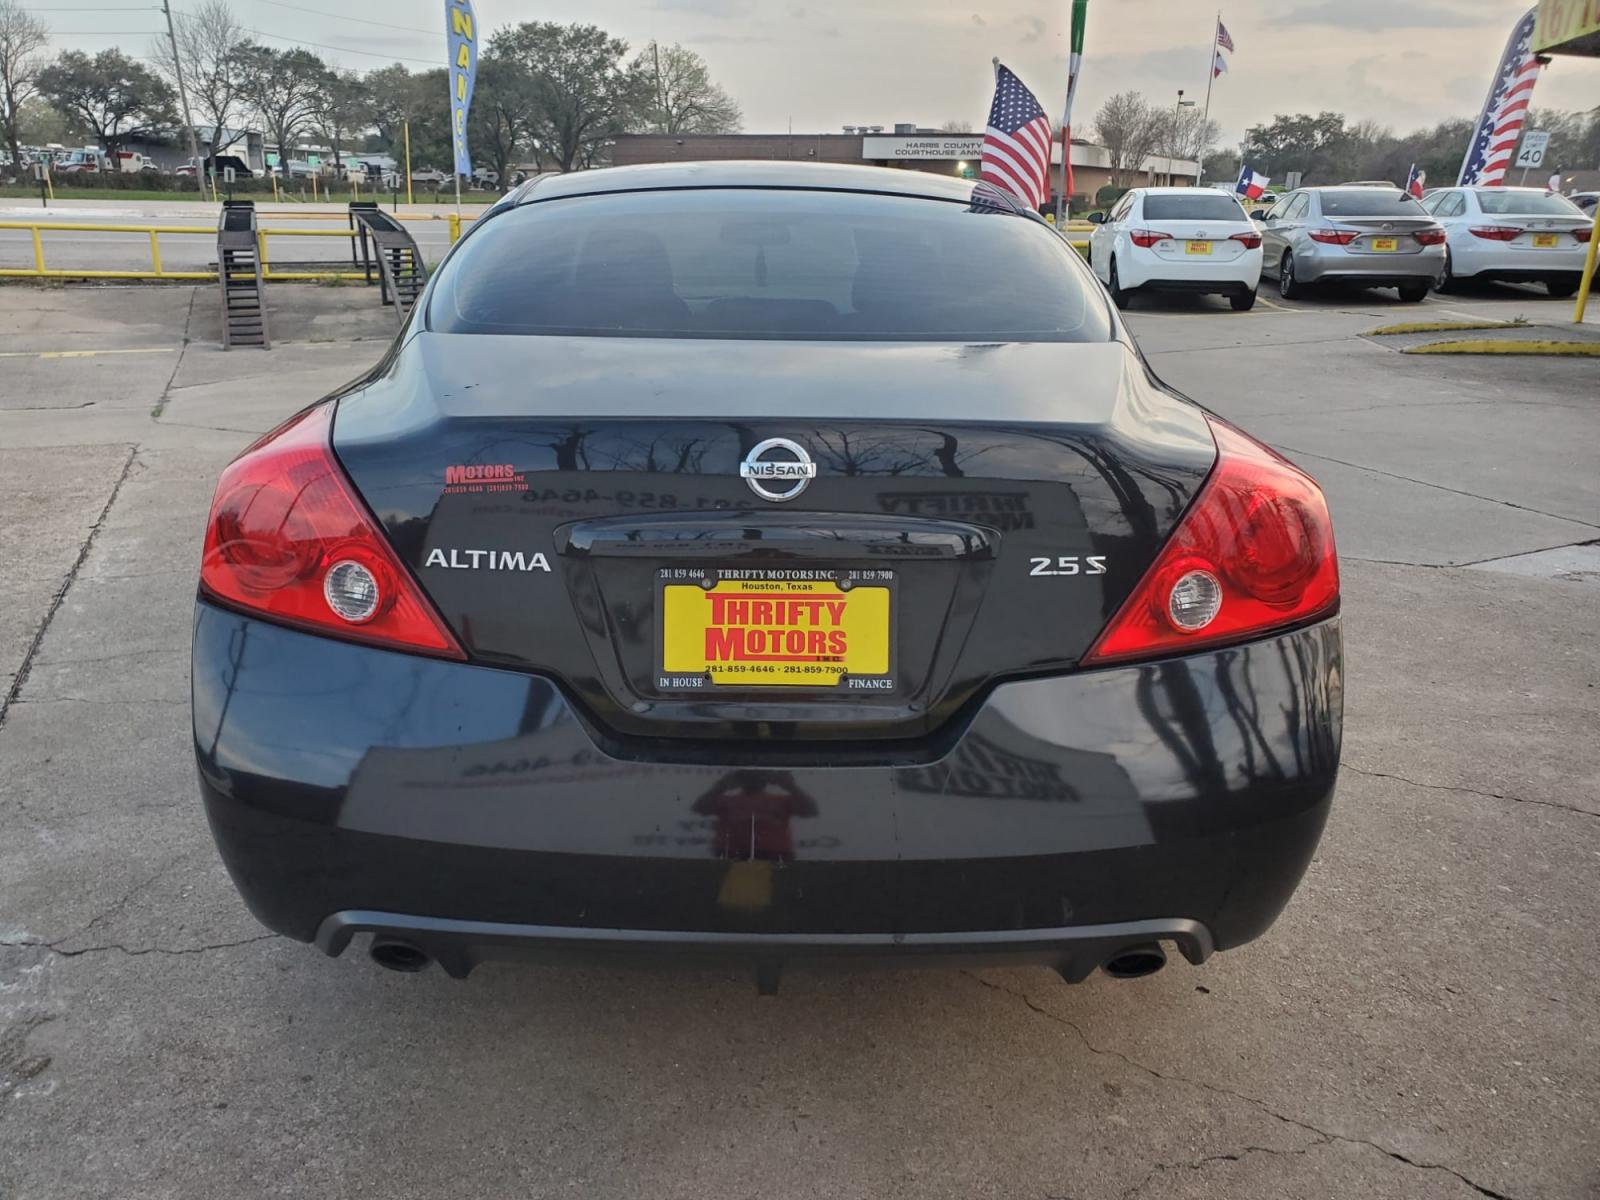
[
  {"x": 1016, "y": 144},
  {"x": 1505, "y": 111},
  {"x": 1223, "y": 38}
]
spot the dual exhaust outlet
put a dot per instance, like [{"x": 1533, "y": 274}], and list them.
[{"x": 1131, "y": 962}]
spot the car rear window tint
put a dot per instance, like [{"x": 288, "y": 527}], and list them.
[
  {"x": 1198, "y": 207},
  {"x": 1370, "y": 202},
  {"x": 763, "y": 263},
  {"x": 1533, "y": 204}
]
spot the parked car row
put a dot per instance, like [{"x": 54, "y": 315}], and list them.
[{"x": 1360, "y": 234}]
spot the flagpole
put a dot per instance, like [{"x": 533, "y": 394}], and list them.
[{"x": 1211, "y": 77}]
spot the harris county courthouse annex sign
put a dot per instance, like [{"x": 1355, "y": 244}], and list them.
[{"x": 892, "y": 149}]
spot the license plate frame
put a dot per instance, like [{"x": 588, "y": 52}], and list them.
[
  {"x": 683, "y": 652},
  {"x": 1385, "y": 245},
  {"x": 1198, "y": 246}
]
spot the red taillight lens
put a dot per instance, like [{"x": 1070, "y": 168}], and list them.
[
  {"x": 1249, "y": 240},
  {"x": 1496, "y": 233},
  {"x": 1582, "y": 234},
  {"x": 1429, "y": 237},
  {"x": 1253, "y": 553},
  {"x": 1333, "y": 237},
  {"x": 289, "y": 540},
  {"x": 1148, "y": 237}
]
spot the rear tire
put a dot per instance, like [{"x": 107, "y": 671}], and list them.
[
  {"x": 1561, "y": 288},
  {"x": 1243, "y": 301},
  {"x": 1415, "y": 293},
  {"x": 1289, "y": 287},
  {"x": 1119, "y": 297}
]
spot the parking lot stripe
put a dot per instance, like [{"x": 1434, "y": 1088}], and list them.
[{"x": 84, "y": 353}]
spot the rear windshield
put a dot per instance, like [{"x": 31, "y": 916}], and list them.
[
  {"x": 1370, "y": 202},
  {"x": 768, "y": 264},
  {"x": 1539, "y": 204},
  {"x": 1199, "y": 207}
]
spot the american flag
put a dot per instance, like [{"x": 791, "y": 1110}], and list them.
[
  {"x": 1223, "y": 39},
  {"x": 1016, "y": 145},
  {"x": 1504, "y": 112}
]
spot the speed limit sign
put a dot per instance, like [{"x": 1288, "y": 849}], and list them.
[{"x": 1533, "y": 148}]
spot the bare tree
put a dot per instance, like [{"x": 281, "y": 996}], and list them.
[
  {"x": 681, "y": 95},
  {"x": 341, "y": 106},
  {"x": 283, "y": 87},
  {"x": 22, "y": 41},
  {"x": 1187, "y": 133},
  {"x": 956, "y": 127},
  {"x": 1131, "y": 131},
  {"x": 209, "y": 39}
]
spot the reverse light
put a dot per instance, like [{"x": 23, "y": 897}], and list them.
[
  {"x": 1253, "y": 554},
  {"x": 289, "y": 540},
  {"x": 1496, "y": 233},
  {"x": 1249, "y": 240},
  {"x": 1148, "y": 237},
  {"x": 1429, "y": 237},
  {"x": 1333, "y": 237}
]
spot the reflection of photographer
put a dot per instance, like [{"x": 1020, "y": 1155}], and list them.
[{"x": 753, "y": 809}]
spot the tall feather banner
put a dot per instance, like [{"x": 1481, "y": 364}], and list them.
[{"x": 1080, "y": 12}]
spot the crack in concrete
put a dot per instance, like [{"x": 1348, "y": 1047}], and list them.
[
  {"x": 61, "y": 592},
  {"x": 1219, "y": 1090},
  {"x": 1200, "y": 1164},
  {"x": 139, "y": 951},
  {"x": 183, "y": 349},
  {"x": 1436, "y": 486},
  {"x": 120, "y": 903},
  {"x": 1447, "y": 787}
]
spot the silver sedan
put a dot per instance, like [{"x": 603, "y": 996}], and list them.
[
  {"x": 1512, "y": 234},
  {"x": 1367, "y": 236}
]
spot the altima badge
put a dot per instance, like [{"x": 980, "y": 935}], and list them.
[{"x": 777, "y": 461}]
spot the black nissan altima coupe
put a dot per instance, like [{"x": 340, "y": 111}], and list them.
[{"x": 767, "y": 563}]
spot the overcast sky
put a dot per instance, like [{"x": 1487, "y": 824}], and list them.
[{"x": 826, "y": 63}]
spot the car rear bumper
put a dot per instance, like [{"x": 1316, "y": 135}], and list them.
[
  {"x": 475, "y": 813},
  {"x": 1371, "y": 270},
  {"x": 1147, "y": 269},
  {"x": 1494, "y": 261}
]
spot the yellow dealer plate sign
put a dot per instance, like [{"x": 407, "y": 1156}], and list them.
[{"x": 775, "y": 633}]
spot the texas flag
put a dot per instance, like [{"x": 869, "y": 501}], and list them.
[
  {"x": 1219, "y": 65},
  {"x": 1251, "y": 186},
  {"x": 1416, "y": 180}
]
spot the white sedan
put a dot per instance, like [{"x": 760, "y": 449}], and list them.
[
  {"x": 1177, "y": 240},
  {"x": 1512, "y": 234}
]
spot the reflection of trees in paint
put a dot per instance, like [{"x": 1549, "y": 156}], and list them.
[{"x": 981, "y": 767}]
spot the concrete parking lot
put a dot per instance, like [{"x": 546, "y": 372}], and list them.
[{"x": 1424, "y": 1021}]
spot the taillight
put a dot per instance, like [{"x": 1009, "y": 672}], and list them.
[
  {"x": 1254, "y": 553},
  {"x": 1148, "y": 237},
  {"x": 1496, "y": 233},
  {"x": 289, "y": 540},
  {"x": 1429, "y": 237},
  {"x": 1248, "y": 240},
  {"x": 1582, "y": 233},
  {"x": 1333, "y": 237}
]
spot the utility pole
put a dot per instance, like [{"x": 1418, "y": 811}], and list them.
[{"x": 183, "y": 98}]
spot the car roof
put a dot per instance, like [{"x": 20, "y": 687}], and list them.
[
  {"x": 841, "y": 177},
  {"x": 1180, "y": 191}
]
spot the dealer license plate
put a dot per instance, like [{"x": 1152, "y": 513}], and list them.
[
  {"x": 1386, "y": 245},
  {"x": 1545, "y": 240},
  {"x": 1198, "y": 248},
  {"x": 756, "y": 627}
]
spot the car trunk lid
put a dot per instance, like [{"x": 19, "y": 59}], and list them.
[{"x": 576, "y": 506}]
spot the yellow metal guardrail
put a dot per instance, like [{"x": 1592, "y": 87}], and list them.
[{"x": 155, "y": 232}]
